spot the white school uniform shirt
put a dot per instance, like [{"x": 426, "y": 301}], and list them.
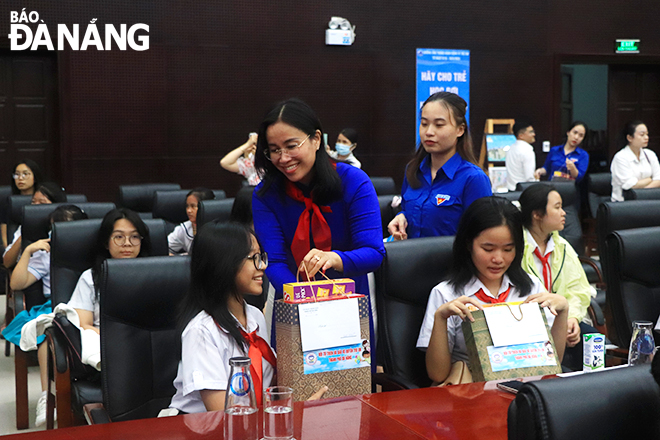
[
  {"x": 444, "y": 293},
  {"x": 627, "y": 170},
  {"x": 17, "y": 235},
  {"x": 39, "y": 266},
  {"x": 181, "y": 239},
  {"x": 84, "y": 296},
  {"x": 549, "y": 247},
  {"x": 205, "y": 353},
  {"x": 520, "y": 163}
]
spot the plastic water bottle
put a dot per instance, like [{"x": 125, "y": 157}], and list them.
[
  {"x": 241, "y": 416},
  {"x": 642, "y": 344}
]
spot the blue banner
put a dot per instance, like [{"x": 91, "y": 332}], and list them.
[
  {"x": 337, "y": 358},
  {"x": 442, "y": 70}
]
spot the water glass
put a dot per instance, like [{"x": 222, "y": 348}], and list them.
[
  {"x": 642, "y": 344},
  {"x": 278, "y": 413}
]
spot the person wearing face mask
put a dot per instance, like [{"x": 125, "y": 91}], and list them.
[{"x": 343, "y": 151}]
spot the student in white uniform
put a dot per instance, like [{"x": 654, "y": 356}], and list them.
[
  {"x": 34, "y": 265},
  {"x": 487, "y": 256},
  {"x": 180, "y": 240},
  {"x": 634, "y": 166},
  {"x": 227, "y": 263}
]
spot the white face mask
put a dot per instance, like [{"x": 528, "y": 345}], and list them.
[{"x": 343, "y": 150}]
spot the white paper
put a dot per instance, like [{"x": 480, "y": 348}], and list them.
[
  {"x": 329, "y": 324},
  {"x": 506, "y": 330}
]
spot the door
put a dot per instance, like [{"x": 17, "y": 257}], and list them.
[{"x": 28, "y": 124}]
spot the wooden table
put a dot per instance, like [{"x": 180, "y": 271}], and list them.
[{"x": 470, "y": 411}]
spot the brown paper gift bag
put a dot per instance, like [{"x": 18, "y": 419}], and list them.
[{"x": 290, "y": 360}]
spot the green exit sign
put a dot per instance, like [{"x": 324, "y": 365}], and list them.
[{"x": 626, "y": 46}]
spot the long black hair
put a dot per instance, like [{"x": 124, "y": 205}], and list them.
[
  {"x": 218, "y": 253},
  {"x": 201, "y": 193},
  {"x": 482, "y": 214},
  {"x": 326, "y": 184},
  {"x": 36, "y": 173},
  {"x": 575, "y": 124},
  {"x": 67, "y": 213},
  {"x": 629, "y": 130},
  {"x": 103, "y": 240},
  {"x": 52, "y": 191},
  {"x": 457, "y": 108},
  {"x": 534, "y": 199}
]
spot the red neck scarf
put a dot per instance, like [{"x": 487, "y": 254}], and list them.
[
  {"x": 258, "y": 349},
  {"x": 490, "y": 300},
  {"x": 547, "y": 272},
  {"x": 300, "y": 245}
]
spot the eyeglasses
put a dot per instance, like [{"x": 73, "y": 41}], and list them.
[
  {"x": 260, "y": 260},
  {"x": 290, "y": 151},
  {"x": 23, "y": 175},
  {"x": 120, "y": 239}
]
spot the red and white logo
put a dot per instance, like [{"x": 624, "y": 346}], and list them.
[{"x": 441, "y": 198}]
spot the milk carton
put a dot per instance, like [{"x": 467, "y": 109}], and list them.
[{"x": 594, "y": 352}]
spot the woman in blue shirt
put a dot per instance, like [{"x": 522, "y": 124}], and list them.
[
  {"x": 442, "y": 179},
  {"x": 568, "y": 161}
]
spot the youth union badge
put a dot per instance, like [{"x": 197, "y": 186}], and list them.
[{"x": 441, "y": 198}]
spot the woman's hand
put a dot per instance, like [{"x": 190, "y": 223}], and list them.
[
  {"x": 458, "y": 307},
  {"x": 397, "y": 227},
  {"x": 573, "y": 336},
  {"x": 39, "y": 245},
  {"x": 250, "y": 145},
  {"x": 555, "y": 303},
  {"x": 316, "y": 260},
  {"x": 572, "y": 169},
  {"x": 539, "y": 172},
  {"x": 317, "y": 395}
]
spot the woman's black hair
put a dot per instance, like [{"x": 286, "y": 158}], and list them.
[
  {"x": 575, "y": 124},
  {"x": 36, "y": 173},
  {"x": 241, "y": 210},
  {"x": 201, "y": 193},
  {"x": 52, "y": 191},
  {"x": 534, "y": 199},
  {"x": 218, "y": 253},
  {"x": 629, "y": 130},
  {"x": 457, "y": 108},
  {"x": 326, "y": 184},
  {"x": 482, "y": 214},
  {"x": 67, "y": 213},
  {"x": 103, "y": 240},
  {"x": 350, "y": 134}
]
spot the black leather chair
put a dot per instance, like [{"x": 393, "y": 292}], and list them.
[
  {"x": 618, "y": 404},
  {"x": 210, "y": 210},
  {"x": 140, "y": 346},
  {"x": 600, "y": 190},
  {"x": 633, "y": 290},
  {"x": 387, "y": 213},
  {"x": 15, "y": 214},
  {"x": 404, "y": 281},
  {"x": 140, "y": 198},
  {"x": 642, "y": 194},
  {"x": 511, "y": 196},
  {"x": 171, "y": 206},
  {"x": 384, "y": 185},
  {"x": 76, "y": 198}
]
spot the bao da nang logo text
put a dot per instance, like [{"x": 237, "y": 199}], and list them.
[{"x": 22, "y": 37}]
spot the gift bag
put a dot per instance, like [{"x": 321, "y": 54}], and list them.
[
  {"x": 345, "y": 369},
  {"x": 488, "y": 362}
]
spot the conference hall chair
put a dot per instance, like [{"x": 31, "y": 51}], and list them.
[
  {"x": 140, "y": 345},
  {"x": 209, "y": 210},
  {"x": 642, "y": 194},
  {"x": 384, "y": 185},
  {"x": 616, "y": 404},
  {"x": 171, "y": 206},
  {"x": 73, "y": 249},
  {"x": 76, "y": 198},
  {"x": 5, "y": 192},
  {"x": 387, "y": 212},
  {"x": 600, "y": 190},
  {"x": 410, "y": 269},
  {"x": 140, "y": 197}
]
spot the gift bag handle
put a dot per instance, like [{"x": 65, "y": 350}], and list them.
[
  {"x": 302, "y": 266},
  {"x": 512, "y": 314}
]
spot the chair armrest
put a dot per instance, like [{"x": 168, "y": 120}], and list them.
[
  {"x": 95, "y": 414},
  {"x": 58, "y": 344},
  {"x": 391, "y": 382},
  {"x": 19, "y": 301},
  {"x": 596, "y": 314},
  {"x": 589, "y": 265}
]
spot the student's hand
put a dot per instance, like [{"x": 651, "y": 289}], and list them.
[
  {"x": 317, "y": 395},
  {"x": 397, "y": 227},
  {"x": 573, "y": 336},
  {"x": 555, "y": 303},
  {"x": 572, "y": 169},
  {"x": 539, "y": 172},
  {"x": 39, "y": 245},
  {"x": 458, "y": 307},
  {"x": 316, "y": 260}
]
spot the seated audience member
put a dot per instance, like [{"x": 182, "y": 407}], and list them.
[
  {"x": 241, "y": 210},
  {"x": 634, "y": 166},
  {"x": 487, "y": 255},
  {"x": 34, "y": 265},
  {"x": 46, "y": 193},
  {"x": 217, "y": 324},
  {"x": 521, "y": 159},
  {"x": 551, "y": 259},
  {"x": 25, "y": 179},
  {"x": 567, "y": 161},
  {"x": 241, "y": 161},
  {"x": 442, "y": 179},
  {"x": 180, "y": 240},
  {"x": 346, "y": 144}
]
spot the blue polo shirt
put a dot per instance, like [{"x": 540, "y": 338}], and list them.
[
  {"x": 436, "y": 207},
  {"x": 556, "y": 161}
]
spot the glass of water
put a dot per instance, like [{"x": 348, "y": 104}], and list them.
[
  {"x": 278, "y": 413},
  {"x": 642, "y": 344}
]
